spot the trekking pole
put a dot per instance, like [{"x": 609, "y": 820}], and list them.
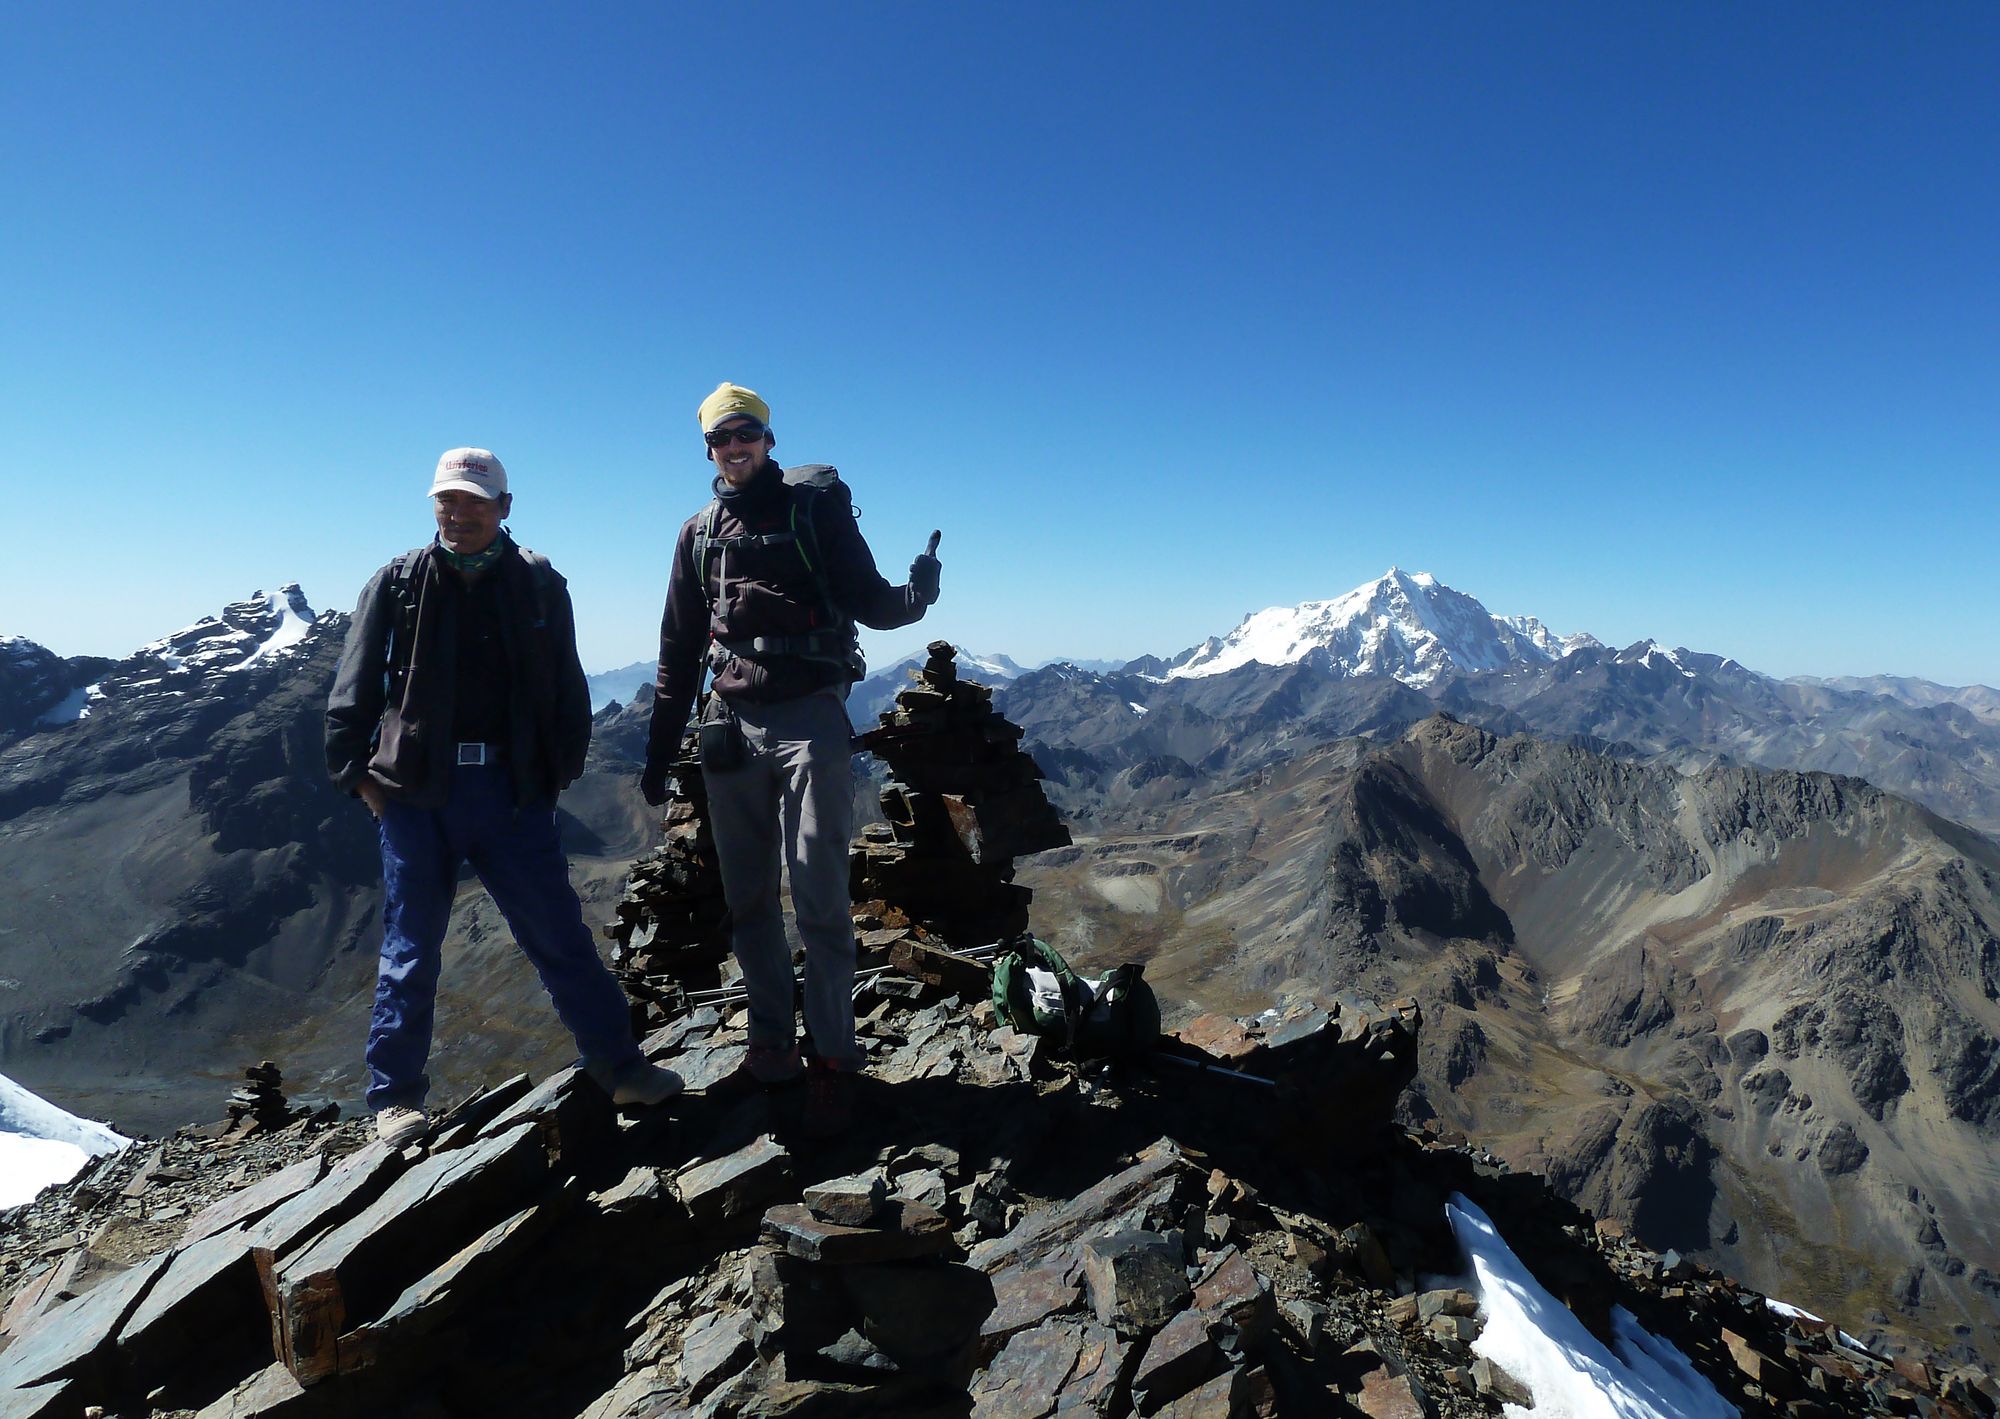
[
  {"x": 1215, "y": 1069},
  {"x": 728, "y": 994}
]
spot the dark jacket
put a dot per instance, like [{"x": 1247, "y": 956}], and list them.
[
  {"x": 395, "y": 723},
  {"x": 764, "y": 591}
]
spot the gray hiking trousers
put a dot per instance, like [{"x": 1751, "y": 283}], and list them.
[{"x": 794, "y": 796}]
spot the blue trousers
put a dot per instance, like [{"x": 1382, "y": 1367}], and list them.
[{"x": 519, "y": 857}]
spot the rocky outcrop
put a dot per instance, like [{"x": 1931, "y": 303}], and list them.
[
  {"x": 1750, "y": 1014},
  {"x": 1006, "y": 1237},
  {"x": 37, "y": 686}
]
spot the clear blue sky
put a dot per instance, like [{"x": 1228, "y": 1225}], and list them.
[{"x": 1671, "y": 320}]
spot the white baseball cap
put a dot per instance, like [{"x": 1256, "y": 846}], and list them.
[{"x": 470, "y": 470}]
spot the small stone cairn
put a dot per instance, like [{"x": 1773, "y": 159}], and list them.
[
  {"x": 964, "y": 800},
  {"x": 670, "y": 930},
  {"x": 258, "y": 1104}
]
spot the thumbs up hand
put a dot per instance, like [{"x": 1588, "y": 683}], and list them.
[{"x": 924, "y": 572}]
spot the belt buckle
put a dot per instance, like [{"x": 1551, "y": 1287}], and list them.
[{"x": 473, "y": 754}]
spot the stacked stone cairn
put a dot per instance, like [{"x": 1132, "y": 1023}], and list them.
[
  {"x": 964, "y": 800},
  {"x": 670, "y": 930},
  {"x": 258, "y": 1104}
]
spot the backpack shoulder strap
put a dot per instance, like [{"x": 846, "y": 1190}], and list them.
[
  {"x": 542, "y": 574},
  {"x": 404, "y": 574},
  {"x": 704, "y": 544}
]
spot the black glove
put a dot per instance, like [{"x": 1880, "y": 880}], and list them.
[
  {"x": 653, "y": 785},
  {"x": 924, "y": 573}
]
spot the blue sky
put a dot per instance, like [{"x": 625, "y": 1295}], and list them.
[{"x": 1670, "y": 320}]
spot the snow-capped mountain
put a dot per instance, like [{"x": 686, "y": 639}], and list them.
[
  {"x": 247, "y": 633},
  {"x": 41, "y": 1145},
  {"x": 1407, "y": 625}
]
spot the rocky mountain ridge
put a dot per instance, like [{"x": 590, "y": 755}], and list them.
[
  {"x": 1181, "y": 737},
  {"x": 1708, "y": 1005}
]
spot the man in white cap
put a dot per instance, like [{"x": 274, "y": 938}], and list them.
[
  {"x": 767, "y": 584},
  {"x": 458, "y": 712}
]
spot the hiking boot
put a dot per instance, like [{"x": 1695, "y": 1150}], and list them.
[
  {"x": 640, "y": 1083},
  {"x": 400, "y": 1126},
  {"x": 829, "y": 1108},
  {"x": 772, "y": 1066}
]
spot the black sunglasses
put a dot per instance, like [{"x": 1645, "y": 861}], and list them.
[{"x": 742, "y": 433}]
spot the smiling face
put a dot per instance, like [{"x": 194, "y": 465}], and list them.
[
  {"x": 738, "y": 461},
  {"x": 468, "y": 523}
]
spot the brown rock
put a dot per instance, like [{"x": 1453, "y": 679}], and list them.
[
  {"x": 1226, "y": 1396},
  {"x": 739, "y": 1187},
  {"x": 1390, "y": 1396},
  {"x": 910, "y": 1230},
  {"x": 1025, "y": 1296},
  {"x": 717, "y": 1346},
  {"x": 1147, "y": 1188},
  {"x": 1495, "y": 1383},
  {"x": 1359, "y": 1252},
  {"x": 270, "y": 1393},
  {"x": 255, "y": 1201},
  {"x": 1452, "y": 1301},
  {"x": 1137, "y": 1280},
  {"x": 74, "y": 1340},
  {"x": 1239, "y": 1300},
  {"x": 1025, "y": 1378},
  {"x": 1175, "y": 1361},
  {"x": 850, "y": 1202},
  {"x": 352, "y": 1273},
  {"x": 428, "y": 1303}
]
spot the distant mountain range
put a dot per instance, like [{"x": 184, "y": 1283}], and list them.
[
  {"x": 618, "y": 687},
  {"x": 1392, "y": 652}
]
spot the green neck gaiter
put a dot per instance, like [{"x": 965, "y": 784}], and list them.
[{"x": 472, "y": 563}]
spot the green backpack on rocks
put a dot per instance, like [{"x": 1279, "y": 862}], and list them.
[{"x": 1037, "y": 992}]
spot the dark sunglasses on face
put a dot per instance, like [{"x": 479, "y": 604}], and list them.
[{"x": 742, "y": 433}]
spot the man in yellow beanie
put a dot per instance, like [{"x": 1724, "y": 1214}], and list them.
[{"x": 767, "y": 584}]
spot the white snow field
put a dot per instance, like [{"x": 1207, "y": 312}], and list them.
[
  {"x": 42, "y": 1145},
  {"x": 1571, "y": 1373}
]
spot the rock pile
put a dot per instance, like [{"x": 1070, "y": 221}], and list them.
[
  {"x": 258, "y": 1103},
  {"x": 998, "y": 1235},
  {"x": 964, "y": 800},
  {"x": 670, "y": 929}
]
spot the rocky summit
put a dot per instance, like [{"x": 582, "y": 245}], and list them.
[{"x": 1003, "y": 1232}]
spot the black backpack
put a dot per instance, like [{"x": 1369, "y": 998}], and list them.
[{"x": 838, "y": 642}]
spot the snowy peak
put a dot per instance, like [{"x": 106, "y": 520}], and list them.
[
  {"x": 1408, "y": 625},
  {"x": 247, "y": 634},
  {"x": 1655, "y": 656}
]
